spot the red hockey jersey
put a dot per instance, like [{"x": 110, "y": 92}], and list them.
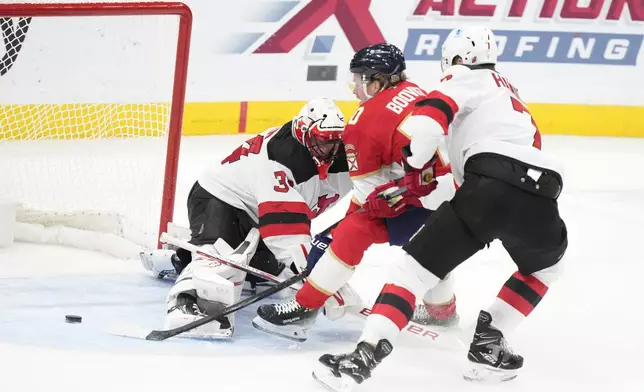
[{"x": 374, "y": 138}]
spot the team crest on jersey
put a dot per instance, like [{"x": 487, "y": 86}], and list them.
[
  {"x": 352, "y": 157},
  {"x": 324, "y": 202}
]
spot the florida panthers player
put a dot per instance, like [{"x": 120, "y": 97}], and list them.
[
  {"x": 374, "y": 141},
  {"x": 276, "y": 181},
  {"x": 508, "y": 191}
]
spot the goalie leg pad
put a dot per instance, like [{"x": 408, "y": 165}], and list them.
[
  {"x": 201, "y": 291},
  {"x": 183, "y": 308},
  {"x": 205, "y": 287}
]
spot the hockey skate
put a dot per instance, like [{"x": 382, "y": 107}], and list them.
[
  {"x": 342, "y": 372},
  {"x": 289, "y": 319},
  {"x": 442, "y": 315},
  {"x": 490, "y": 356},
  {"x": 187, "y": 310}
]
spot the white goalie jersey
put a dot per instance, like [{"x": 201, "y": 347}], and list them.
[{"x": 273, "y": 178}]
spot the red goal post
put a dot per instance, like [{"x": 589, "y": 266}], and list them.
[{"x": 107, "y": 9}]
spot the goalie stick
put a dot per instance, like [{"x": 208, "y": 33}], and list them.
[{"x": 168, "y": 239}]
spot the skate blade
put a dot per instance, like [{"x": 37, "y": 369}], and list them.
[
  {"x": 447, "y": 324},
  {"x": 486, "y": 374},
  {"x": 326, "y": 379},
  {"x": 287, "y": 331}
]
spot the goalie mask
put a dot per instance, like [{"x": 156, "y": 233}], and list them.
[{"x": 319, "y": 127}]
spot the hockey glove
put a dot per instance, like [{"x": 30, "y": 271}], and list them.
[
  {"x": 380, "y": 205},
  {"x": 319, "y": 245},
  {"x": 419, "y": 182}
]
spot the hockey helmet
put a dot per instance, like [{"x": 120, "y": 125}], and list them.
[
  {"x": 475, "y": 45},
  {"x": 378, "y": 59},
  {"x": 319, "y": 126},
  {"x": 384, "y": 60}
]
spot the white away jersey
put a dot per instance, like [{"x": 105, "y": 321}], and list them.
[
  {"x": 484, "y": 113},
  {"x": 273, "y": 178}
]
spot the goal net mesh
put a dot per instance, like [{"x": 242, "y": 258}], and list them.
[{"x": 85, "y": 104}]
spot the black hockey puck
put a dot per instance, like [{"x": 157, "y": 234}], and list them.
[{"x": 70, "y": 318}]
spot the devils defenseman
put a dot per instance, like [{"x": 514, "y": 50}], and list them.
[
  {"x": 508, "y": 192},
  {"x": 277, "y": 182},
  {"x": 374, "y": 139}
]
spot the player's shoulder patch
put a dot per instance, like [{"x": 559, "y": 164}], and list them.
[{"x": 352, "y": 157}]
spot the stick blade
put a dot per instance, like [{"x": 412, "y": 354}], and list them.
[{"x": 158, "y": 335}]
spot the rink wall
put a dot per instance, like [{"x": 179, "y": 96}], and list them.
[
  {"x": 562, "y": 119},
  {"x": 577, "y": 63}
]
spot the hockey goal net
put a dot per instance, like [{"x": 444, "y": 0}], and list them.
[{"x": 91, "y": 104}]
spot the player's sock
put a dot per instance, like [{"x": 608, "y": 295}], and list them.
[
  {"x": 328, "y": 276},
  {"x": 439, "y": 305},
  {"x": 516, "y": 300},
  {"x": 391, "y": 313}
]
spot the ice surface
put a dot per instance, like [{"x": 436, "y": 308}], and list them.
[{"x": 584, "y": 336}]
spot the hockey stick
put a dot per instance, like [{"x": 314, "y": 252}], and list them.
[
  {"x": 168, "y": 239},
  {"x": 158, "y": 335}
]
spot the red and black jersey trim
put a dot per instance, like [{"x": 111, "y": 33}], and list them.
[
  {"x": 523, "y": 292},
  {"x": 275, "y": 218},
  {"x": 279, "y": 218},
  {"x": 440, "y": 107},
  {"x": 395, "y": 303}
]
